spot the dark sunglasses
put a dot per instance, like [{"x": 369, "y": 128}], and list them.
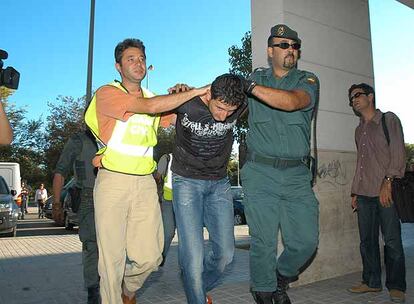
[
  {"x": 286, "y": 45},
  {"x": 351, "y": 99}
]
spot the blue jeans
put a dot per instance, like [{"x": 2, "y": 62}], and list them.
[
  {"x": 371, "y": 216},
  {"x": 199, "y": 203},
  {"x": 168, "y": 221}
]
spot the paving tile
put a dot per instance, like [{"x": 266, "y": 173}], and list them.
[{"x": 48, "y": 270}]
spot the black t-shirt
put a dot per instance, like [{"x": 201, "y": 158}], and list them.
[{"x": 203, "y": 145}]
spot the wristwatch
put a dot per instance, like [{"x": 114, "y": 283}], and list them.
[
  {"x": 251, "y": 87},
  {"x": 389, "y": 178}
]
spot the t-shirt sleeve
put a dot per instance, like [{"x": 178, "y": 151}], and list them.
[
  {"x": 310, "y": 84},
  {"x": 113, "y": 102},
  {"x": 68, "y": 156}
]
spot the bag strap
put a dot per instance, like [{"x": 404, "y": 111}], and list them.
[{"x": 385, "y": 128}]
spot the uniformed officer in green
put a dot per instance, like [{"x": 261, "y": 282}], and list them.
[
  {"x": 77, "y": 155},
  {"x": 276, "y": 178}
]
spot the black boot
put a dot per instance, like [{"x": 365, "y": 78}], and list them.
[
  {"x": 262, "y": 297},
  {"x": 280, "y": 296},
  {"x": 93, "y": 295}
]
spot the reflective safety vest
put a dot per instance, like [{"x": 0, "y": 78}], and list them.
[
  {"x": 168, "y": 194},
  {"x": 130, "y": 148}
]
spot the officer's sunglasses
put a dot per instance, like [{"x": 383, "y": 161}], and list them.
[
  {"x": 351, "y": 99},
  {"x": 286, "y": 45}
]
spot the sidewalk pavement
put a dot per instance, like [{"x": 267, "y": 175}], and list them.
[{"x": 48, "y": 269}]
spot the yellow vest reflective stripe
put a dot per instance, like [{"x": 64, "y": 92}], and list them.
[
  {"x": 130, "y": 148},
  {"x": 168, "y": 194}
]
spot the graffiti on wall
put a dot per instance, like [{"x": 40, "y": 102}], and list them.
[{"x": 333, "y": 173}]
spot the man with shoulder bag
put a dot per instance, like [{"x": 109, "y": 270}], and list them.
[{"x": 379, "y": 161}]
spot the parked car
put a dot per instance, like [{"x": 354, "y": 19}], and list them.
[
  {"x": 47, "y": 210},
  {"x": 238, "y": 195},
  {"x": 9, "y": 211}
]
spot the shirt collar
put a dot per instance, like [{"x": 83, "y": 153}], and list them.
[
  {"x": 376, "y": 119},
  {"x": 269, "y": 73}
]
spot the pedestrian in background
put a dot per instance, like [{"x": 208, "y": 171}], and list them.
[
  {"x": 40, "y": 198},
  {"x": 25, "y": 198},
  {"x": 380, "y": 158}
]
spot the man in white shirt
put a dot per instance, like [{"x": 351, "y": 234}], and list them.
[{"x": 40, "y": 198}]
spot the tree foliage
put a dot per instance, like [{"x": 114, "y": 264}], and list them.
[
  {"x": 36, "y": 146},
  {"x": 241, "y": 64},
  {"x": 241, "y": 57},
  {"x": 64, "y": 120},
  {"x": 165, "y": 143},
  {"x": 409, "y": 151},
  {"x": 28, "y": 142}
]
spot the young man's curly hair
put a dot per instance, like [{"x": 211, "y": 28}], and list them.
[
  {"x": 127, "y": 43},
  {"x": 228, "y": 88}
]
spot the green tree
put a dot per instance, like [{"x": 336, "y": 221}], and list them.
[
  {"x": 241, "y": 64},
  {"x": 165, "y": 143},
  {"x": 409, "y": 150},
  {"x": 28, "y": 141},
  {"x": 241, "y": 57},
  {"x": 64, "y": 120},
  {"x": 233, "y": 170}
]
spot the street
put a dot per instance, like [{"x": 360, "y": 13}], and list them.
[{"x": 43, "y": 264}]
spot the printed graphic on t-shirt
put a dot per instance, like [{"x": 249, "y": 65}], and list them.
[{"x": 216, "y": 129}]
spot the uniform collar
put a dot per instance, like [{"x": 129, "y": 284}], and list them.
[{"x": 269, "y": 73}]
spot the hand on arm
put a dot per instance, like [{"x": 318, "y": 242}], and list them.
[{"x": 6, "y": 132}]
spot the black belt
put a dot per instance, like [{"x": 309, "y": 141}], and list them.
[{"x": 276, "y": 162}]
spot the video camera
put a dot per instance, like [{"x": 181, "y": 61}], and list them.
[{"x": 9, "y": 77}]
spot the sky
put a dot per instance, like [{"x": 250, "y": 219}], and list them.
[
  {"x": 47, "y": 40},
  {"x": 186, "y": 41},
  {"x": 392, "y": 31}
]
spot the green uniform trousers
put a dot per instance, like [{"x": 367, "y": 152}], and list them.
[
  {"x": 279, "y": 199},
  {"x": 87, "y": 236}
]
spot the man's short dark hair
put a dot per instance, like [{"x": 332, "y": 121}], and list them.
[
  {"x": 127, "y": 43},
  {"x": 228, "y": 88},
  {"x": 366, "y": 88}
]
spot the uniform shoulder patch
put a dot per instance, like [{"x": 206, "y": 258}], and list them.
[{"x": 311, "y": 79}]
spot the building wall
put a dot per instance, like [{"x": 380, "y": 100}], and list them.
[{"x": 336, "y": 46}]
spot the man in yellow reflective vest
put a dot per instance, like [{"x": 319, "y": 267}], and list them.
[{"x": 123, "y": 117}]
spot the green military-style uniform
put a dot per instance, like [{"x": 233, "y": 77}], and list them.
[
  {"x": 77, "y": 155},
  {"x": 276, "y": 180}
]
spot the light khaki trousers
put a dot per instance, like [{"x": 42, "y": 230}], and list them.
[{"x": 129, "y": 231}]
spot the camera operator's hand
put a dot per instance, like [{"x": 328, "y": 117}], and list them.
[
  {"x": 248, "y": 85},
  {"x": 6, "y": 132}
]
